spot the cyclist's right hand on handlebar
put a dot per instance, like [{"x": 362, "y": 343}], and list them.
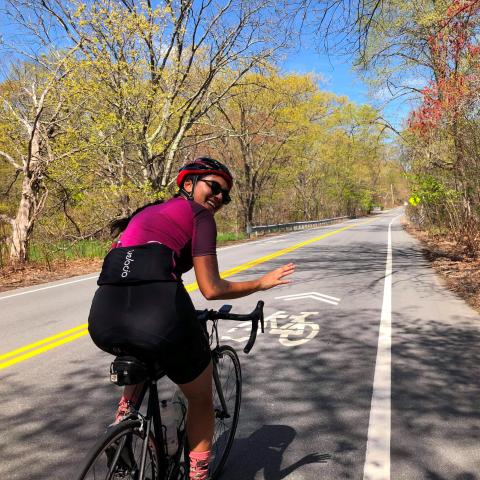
[{"x": 277, "y": 276}]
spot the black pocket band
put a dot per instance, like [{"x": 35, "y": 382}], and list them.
[{"x": 152, "y": 262}]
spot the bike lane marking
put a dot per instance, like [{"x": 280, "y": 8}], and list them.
[
  {"x": 319, "y": 297},
  {"x": 190, "y": 288},
  {"x": 377, "y": 457},
  {"x": 298, "y": 330}
]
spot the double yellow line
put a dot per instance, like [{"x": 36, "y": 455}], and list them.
[
  {"x": 49, "y": 343},
  {"x": 28, "y": 351}
]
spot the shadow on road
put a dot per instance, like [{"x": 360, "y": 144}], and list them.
[{"x": 264, "y": 450}]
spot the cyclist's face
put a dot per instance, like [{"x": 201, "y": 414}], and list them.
[{"x": 205, "y": 189}]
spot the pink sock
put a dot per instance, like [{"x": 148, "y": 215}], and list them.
[
  {"x": 199, "y": 465},
  {"x": 129, "y": 398},
  {"x": 123, "y": 406}
]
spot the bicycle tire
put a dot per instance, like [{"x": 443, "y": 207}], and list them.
[
  {"x": 230, "y": 377},
  {"x": 97, "y": 465}
]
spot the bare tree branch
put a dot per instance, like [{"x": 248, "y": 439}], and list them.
[
  {"x": 11, "y": 160},
  {"x": 6, "y": 219}
]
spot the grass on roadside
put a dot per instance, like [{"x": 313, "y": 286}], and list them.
[
  {"x": 225, "y": 237},
  {"x": 63, "y": 251}
]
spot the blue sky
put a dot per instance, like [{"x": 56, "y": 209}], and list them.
[
  {"x": 334, "y": 69},
  {"x": 336, "y": 72},
  {"x": 341, "y": 80}
]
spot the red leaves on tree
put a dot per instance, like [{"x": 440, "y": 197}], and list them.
[
  {"x": 443, "y": 99},
  {"x": 455, "y": 57}
]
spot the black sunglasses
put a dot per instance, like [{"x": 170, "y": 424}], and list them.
[{"x": 216, "y": 188}]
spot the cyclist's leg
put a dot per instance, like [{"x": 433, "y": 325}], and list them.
[
  {"x": 200, "y": 411},
  {"x": 189, "y": 365},
  {"x": 200, "y": 422}
]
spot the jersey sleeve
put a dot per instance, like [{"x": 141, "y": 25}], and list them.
[{"x": 204, "y": 240}]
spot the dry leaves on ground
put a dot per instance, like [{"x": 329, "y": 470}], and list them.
[{"x": 34, "y": 274}]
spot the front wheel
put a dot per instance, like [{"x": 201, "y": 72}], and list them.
[
  {"x": 227, "y": 394},
  {"x": 117, "y": 455}
]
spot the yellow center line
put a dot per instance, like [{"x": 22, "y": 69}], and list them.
[
  {"x": 43, "y": 349},
  {"x": 42, "y": 342},
  {"x": 81, "y": 330}
]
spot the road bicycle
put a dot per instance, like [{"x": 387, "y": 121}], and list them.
[{"x": 136, "y": 447}]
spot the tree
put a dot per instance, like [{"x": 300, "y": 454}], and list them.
[
  {"x": 399, "y": 46},
  {"x": 159, "y": 64},
  {"x": 32, "y": 119},
  {"x": 259, "y": 122},
  {"x": 297, "y": 152},
  {"x": 444, "y": 126}
]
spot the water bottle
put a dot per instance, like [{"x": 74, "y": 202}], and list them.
[
  {"x": 169, "y": 421},
  {"x": 180, "y": 403}
]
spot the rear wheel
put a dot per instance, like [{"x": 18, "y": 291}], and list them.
[
  {"x": 117, "y": 455},
  {"x": 227, "y": 378}
]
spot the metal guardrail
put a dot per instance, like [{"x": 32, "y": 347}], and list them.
[{"x": 251, "y": 229}]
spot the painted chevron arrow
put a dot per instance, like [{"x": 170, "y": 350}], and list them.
[{"x": 313, "y": 295}]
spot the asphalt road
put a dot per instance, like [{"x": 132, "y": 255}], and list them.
[{"x": 307, "y": 410}]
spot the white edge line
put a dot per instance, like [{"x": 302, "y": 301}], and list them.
[
  {"x": 377, "y": 456},
  {"x": 50, "y": 286}
]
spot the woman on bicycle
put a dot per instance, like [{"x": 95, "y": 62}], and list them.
[{"x": 141, "y": 307}]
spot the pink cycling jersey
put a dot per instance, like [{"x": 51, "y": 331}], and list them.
[{"x": 184, "y": 226}]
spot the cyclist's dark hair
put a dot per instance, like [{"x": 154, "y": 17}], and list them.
[{"x": 120, "y": 224}]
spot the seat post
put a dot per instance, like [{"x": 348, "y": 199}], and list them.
[{"x": 153, "y": 410}]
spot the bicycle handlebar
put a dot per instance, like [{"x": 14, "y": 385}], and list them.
[{"x": 255, "y": 317}]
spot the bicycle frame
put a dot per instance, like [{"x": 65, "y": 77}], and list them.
[
  {"x": 153, "y": 415},
  {"x": 153, "y": 419}
]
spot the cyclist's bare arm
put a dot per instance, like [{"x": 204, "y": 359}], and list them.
[{"x": 215, "y": 288}]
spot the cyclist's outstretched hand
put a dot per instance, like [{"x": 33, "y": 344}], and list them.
[{"x": 277, "y": 276}]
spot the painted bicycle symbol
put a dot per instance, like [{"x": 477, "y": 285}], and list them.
[{"x": 298, "y": 329}]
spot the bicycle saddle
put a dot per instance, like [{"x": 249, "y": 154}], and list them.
[{"x": 128, "y": 370}]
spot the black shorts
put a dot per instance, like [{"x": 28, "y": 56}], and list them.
[{"x": 155, "y": 322}]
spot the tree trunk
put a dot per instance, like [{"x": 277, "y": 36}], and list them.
[
  {"x": 250, "y": 210},
  {"x": 167, "y": 171},
  {"x": 22, "y": 224},
  {"x": 31, "y": 202}
]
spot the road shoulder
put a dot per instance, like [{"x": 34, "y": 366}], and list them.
[{"x": 459, "y": 272}]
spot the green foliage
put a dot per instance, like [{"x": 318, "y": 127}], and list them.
[
  {"x": 224, "y": 237},
  {"x": 64, "y": 250},
  {"x": 437, "y": 43},
  {"x": 428, "y": 189},
  {"x": 129, "y": 116}
]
